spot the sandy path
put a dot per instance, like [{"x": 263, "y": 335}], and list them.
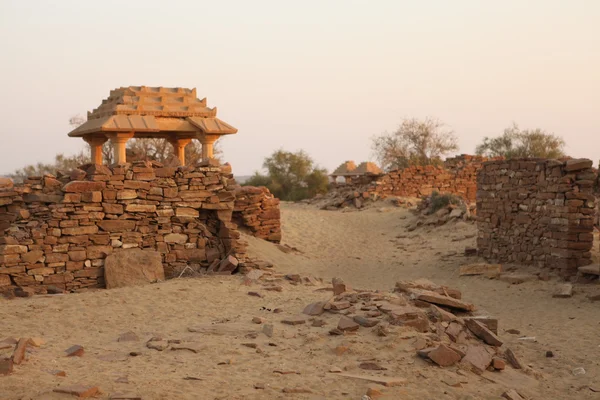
[{"x": 368, "y": 249}]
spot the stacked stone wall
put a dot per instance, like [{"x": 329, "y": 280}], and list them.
[
  {"x": 258, "y": 210},
  {"x": 58, "y": 230},
  {"x": 538, "y": 212}
]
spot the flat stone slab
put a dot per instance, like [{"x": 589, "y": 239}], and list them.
[
  {"x": 483, "y": 333},
  {"x": 382, "y": 380},
  {"x": 79, "y": 391},
  {"x": 440, "y": 300},
  {"x": 563, "y": 291},
  {"x": 490, "y": 270},
  {"x": 593, "y": 269}
]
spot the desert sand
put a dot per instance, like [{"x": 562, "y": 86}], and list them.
[{"x": 210, "y": 320}]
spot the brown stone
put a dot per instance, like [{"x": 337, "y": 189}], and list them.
[
  {"x": 6, "y": 366},
  {"x": 498, "y": 363},
  {"x": 294, "y": 321},
  {"x": 483, "y": 333},
  {"x": 563, "y": 291},
  {"x": 477, "y": 358},
  {"x": 143, "y": 208},
  {"x": 339, "y": 286},
  {"x": 445, "y": 301},
  {"x": 83, "y": 186},
  {"x": 75, "y": 351},
  {"x": 33, "y": 257},
  {"x": 128, "y": 337},
  {"x": 179, "y": 238},
  {"x": 340, "y": 305},
  {"x": 79, "y": 391},
  {"x": 229, "y": 264},
  {"x": 117, "y": 225},
  {"x": 314, "y": 308},
  {"x": 365, "y": 322},
  {"x": 444, "y": 356},
  {"x": 513, "y": 359},
  {"x": 512, "y": 394},
  {"x": 347, "y": 325},
  {"x": 57, "y": 372},
  {"x": 490, "y": 270},
  {"x": 80, "y": 230},
  {"x": 18, "y": 355},
  {"x": 133, "y": 267},
  {"x": 578, "y": 164}
]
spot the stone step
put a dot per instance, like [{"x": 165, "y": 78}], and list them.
[{"x": 593, "y": 269}]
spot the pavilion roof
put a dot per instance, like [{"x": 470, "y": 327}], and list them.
[{"x": 153, "y": 112}]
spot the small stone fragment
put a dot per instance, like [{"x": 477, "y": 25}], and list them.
[
  {"x": 366, "y": 322},
  {"x": 371, "y": 366},
  {"x": 382, "y": 330},
  {"x": 563, "y": 291},
  {"x": 19, "y": 352},
  {"x": 318, "y": 323},
  {"x": 314, "y": 309},
  {"x": 57, "y": 372},
  {"x": 335, "y": 370},
  {"x": 444, "y": 356},
  {"x": 79, "y": 391},
  {"x": 513, "y": 360},
  {"x": 512, "y": 395},
  {"x": 37, "y": 342},
  {"x": 347, "y": 325},
  {"x": 294, "y": 321},
  {"x": 255, "y": 294},
  {"x": 498, "y": 363},
  {"x": 6, "y": 366},
  {"x": 549, "y": 354},
  {"x": 339, "y": 286},
  {"x": 258, "y": 320},
  {"x": 75, "y": 351},
  {"x": 157, "y": 345},
  {"x": 374, "y": 393},
  {"x": 268, "y": 330},
  {"x": 339, "y": 305},
  {"x": 483, "y": 333}
]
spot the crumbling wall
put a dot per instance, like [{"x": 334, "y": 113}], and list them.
[
  {"x": 258, "y": 210},
  {"x": 457, "y": 176},
  {"x": 538, "y": 212},
  {"x": 58, "y": 230}
]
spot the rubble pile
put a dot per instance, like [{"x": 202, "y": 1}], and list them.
[{"x": 258, "y": 210}]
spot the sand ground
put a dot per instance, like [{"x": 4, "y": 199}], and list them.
[{"x": 369, "y": 249}]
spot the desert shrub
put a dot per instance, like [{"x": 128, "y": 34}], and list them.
[{"x": 438, "y": 201}]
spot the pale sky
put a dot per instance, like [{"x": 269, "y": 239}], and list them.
[{"x": 319, "y": 75}]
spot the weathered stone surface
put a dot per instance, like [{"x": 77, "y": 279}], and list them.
[
  {"x": 133, "y": 267},
  {"x": 339, "y": 286},
  {"x": 477, "y": 358},
  {"x": 347, "y": 325},
  {"x": 513, "y": 359},
  {"x": 79, "y": 391},
  {"x": 229, "y": 264},
  {"x": 440, "y": 300},
  {"x": 75, "y": 351},
  {"x": 366, "y": 322},
  {"x": 19, "y": 353},
  {"x": 6, "y": 366},
  {"x": 482, "y": 332},
  {"x": 179, "y": 238},
  {"x": 512, "y": 394},
  {"x": 315, "y": 308},
  {"x": 80, "y": 230},
  {"x": 83, "y": 186},
  {"x": 444, "y": 356},
  {"x": 563, "y": 291},
  {"x": 294, "y": 321},
  {"x": 144, "y": 208},
  {"x": 117, "y": 225}
]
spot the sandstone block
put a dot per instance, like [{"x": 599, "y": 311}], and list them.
[{"x": 133, "y": 267}]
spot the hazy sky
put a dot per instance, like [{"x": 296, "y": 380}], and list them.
[{"x": 323, "y": 76}]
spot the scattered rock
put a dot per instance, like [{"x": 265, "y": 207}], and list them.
[
  {"x": 513, "y": 359},
  {"x": 184, "y": 347},
  {"x": 294, "y": 321},
  {"x": 339, "y": 305},
  {"x": 157, "y": 345},
  {"x": 549, "y": 354},
  {"x": 273, "y": 288},
  {"x": 19, "y": 353},
  {"x": 268, "y": 330},
  {"x": 133, "y": 267},
  {"x": 498, "y": 363},
  {"x": 347, "y": 325},
  {"x": 447, "y": 301},
  {"x": 366, "y": 322},
  {"x": 79, "y": 391},
  {"x": 382, "y": 330},
  {"x": 513, "y": 331},
  {"x": 255, "y": 294},
  {"x": 477, "y": 358},
  {"x": 6, "y": 366},
  {"x": 259, "y": 386},
  {"x": 371, "y": 366},
  {"x": 339, "y": 286},
  {"x": 37, "y": 342},
  {"x": 57, "y": 372},
  {"x": 318, "y": 323},
  {"x": 444, "y": 356},
  {"x": 483, "y": 333},
  {"x": 75, "y": 351},
  {"x": 315, "y": 308},
  {"x": 374, "y": 393},
  {"x": 563, "y": 291},
  {"x": 335, "y": 370},
  {"x": 258, "y": 320},
  {"x": 382, "y": 380}
]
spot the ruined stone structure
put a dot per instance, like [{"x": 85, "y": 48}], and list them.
[
  {"x": 538, "y": 212},
  {"x": 365, "y": 173},
  {"x": 258, "y": 210},
  {"x": 58, "y": 231},
  {"x": 174, "y": 114}
]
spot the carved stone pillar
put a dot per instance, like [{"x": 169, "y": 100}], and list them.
[
  {"x": 179, "y": 146},
  {"x": 96, "y": 142},
  {"x": 119, "y": 142}
]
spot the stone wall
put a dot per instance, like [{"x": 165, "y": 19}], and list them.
[
  {"x": 457, "y": 176},
  {"x": 258, "y": 210},
  {"x": 58, "y": 230},
  {"x": 538, "y": 212}
]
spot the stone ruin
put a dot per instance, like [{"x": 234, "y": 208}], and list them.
[
  {"x": 538, "y": 212},
  {"x": 456, "y": 176},
  {"x": 57, "y": 231}
]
